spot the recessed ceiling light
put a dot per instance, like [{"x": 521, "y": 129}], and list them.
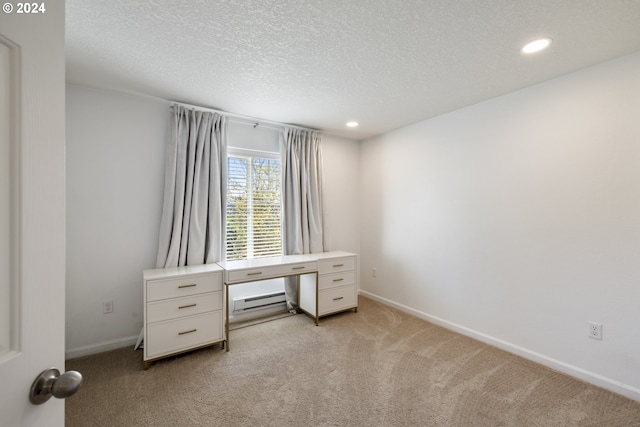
[
  {"x": 352, "y": 124},
  {"x": 536, "y": 45}
]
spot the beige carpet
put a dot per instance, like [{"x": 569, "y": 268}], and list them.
[{"x": 376, "y": 367}]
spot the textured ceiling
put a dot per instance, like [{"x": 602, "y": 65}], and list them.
[{"x": 321, "y": 63}]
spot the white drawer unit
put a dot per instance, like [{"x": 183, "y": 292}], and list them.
[
  {"x": 269, "y": 271},
  {"x": 337, "y": 287},
  {"x": 333, "y": 280},
  {"x": 334, "y": 265},
  {"x": 184, "y": 306},
  {"x": 182, "y": 286},
  {"x": 337, "y": 299},
  {"x": 185, "y": 333},
  {"x": 183, "y": 310}
]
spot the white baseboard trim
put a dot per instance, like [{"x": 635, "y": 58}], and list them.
[
  {"x": 101, "y": 347},
  {"x": 582, "y": 374}
]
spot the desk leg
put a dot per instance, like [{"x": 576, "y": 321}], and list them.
[
  {"x": 317, "y": 304},
  {"x": 226, "y": 323},
  {"x": 298, "y": 279}
]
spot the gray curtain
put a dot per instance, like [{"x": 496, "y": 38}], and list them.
[
  {"x": 303, "y": 230},
  {"x": 192, "y": 228}
]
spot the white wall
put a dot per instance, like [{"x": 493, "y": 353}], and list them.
[
  {"x": 341, "y": 176},
  {"x": 517, "y": 220},
  {"x": 115, "y": 174},
  {"x": 115, "y": 177}
]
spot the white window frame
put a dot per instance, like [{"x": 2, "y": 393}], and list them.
[{"x": 251, "y": 154}]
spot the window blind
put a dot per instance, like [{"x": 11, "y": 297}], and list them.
[{"x": 253, "y": 207}]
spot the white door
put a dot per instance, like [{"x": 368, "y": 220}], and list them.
[{"x": 32, "y": 200}]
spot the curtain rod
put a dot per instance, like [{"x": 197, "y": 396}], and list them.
[{"x": 240, "y": 118}]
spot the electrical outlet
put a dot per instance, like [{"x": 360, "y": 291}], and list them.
[
  {"x": 374, "y": 273},
  {"x": 595, "y": 330},
  {"x": 107, "y": 307}
]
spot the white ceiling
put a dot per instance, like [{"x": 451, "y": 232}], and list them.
[{"x": 321, "y": 63}]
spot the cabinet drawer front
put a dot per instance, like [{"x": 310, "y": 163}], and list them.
[
  {"x": 271, "y": 271},
  {"x": 182, "y": 334},
  {"x": 184, "y": 306},
  {"x": 333, "y": 280},
  {"x": 183, "y": 286},
  {"x": 337, "y": 299},
  {"x": 333, "y": 265}
]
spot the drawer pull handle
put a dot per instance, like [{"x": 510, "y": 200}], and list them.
[
  {"x": 337, "y": 299},
  {"x": 338, "y": 265},
  {"x": 187, "y": 286},
  {"x": 187, "y": 332},
  {"x": 338, "y": 280},
  {"x": 186, "y": 306},
  {"x": 254, "y": 274},
  {"x": 298, "y": 268}
]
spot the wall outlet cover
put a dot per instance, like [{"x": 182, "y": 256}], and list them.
[{"x": 595, "y": 330}]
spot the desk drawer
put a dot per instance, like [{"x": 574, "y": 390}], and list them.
[
  {"x": 270, "y": 271},
  {"x": 334, "y": 265},
  {"x": 334, "y": 280},
  {"x": 337, "y": 299},
  {"x": 183, "y": 286},
  {"x": 185, "y": 306},
  {"x": 181, "y": 334}
]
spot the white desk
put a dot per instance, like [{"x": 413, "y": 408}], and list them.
[{"x": 332, "y": 288}]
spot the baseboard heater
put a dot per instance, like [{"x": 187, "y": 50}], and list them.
[{"x": 258, "y": 302}]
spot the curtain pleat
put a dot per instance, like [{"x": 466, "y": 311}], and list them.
[
  {"x": 303, "y": 230},
  {"x": 192, "y": 226}
]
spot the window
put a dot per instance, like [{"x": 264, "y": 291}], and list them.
[{"x": 253, "y": 205}]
